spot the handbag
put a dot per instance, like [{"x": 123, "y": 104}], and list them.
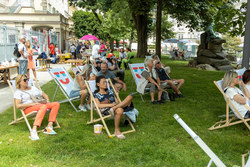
[{"x": 37, "y": 99}]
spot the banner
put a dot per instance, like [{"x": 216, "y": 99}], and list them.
[{"x": 136, "y": 70}]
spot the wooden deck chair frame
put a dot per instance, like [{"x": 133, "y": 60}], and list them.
[
  {"x": 229, "y": 121},
  {"x": 244, "y": 159},
  {"x": 25, "y": 116},
  {"x": 173, "y": 56},
  {"x": 102, "y": 118},
  {"x": 68, "y": 99}
]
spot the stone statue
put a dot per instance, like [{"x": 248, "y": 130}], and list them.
[
  {"x": 210, "y": 51},
  {"x": 210, "y": 33}
]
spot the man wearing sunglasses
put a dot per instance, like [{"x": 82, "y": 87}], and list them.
[{"x": 164, "y": 78}]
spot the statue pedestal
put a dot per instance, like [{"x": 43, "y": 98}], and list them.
[{"x": 211, "y": 53}]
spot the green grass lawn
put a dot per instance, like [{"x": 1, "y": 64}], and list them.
[{"x": 158, "y": 141}]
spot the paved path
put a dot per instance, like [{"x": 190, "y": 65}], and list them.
[{"x": 6, "y": 97}]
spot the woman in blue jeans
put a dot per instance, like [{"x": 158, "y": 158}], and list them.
[{"x": 79, "y": 87}]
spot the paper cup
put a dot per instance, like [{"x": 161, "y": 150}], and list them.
[{"x": 97, "y": 128}]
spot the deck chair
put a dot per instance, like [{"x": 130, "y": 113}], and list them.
[
  {"x": 172, "y": 55},
  {"x": 136, "y": 70},
  {"x": 91, "y": 86},
  {"x": 247, "y": 164},
  {"x": 12, "y": 85},
  {"x": 94, "y": 70},
  {"x": 65, "y": 82},
  {"x": 214, "y": 159},
  {"x": 237, "y": 119},
  {"x": 240, "y": 73},
  {"x": 75, "y": 70}
]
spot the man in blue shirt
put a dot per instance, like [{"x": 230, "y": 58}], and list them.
[
  {"x": 164, "y": 78},
  {"x": 108, "y": 74}
]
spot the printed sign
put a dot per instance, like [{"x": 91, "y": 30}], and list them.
[
  {"x": 63, "y": 78},
  {"x": 136, "y": 70}
]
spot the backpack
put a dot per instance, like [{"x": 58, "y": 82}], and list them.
[
  {"x": 16, "y": 51},
  {"x": 44, "y": 56}
]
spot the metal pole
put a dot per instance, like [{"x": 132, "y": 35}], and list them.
[{"x": 246, "y": 49}]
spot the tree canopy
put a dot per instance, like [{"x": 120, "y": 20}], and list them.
[{"x": 86, "y": 23}]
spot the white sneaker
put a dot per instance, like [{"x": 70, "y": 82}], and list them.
[
  {"x": 49, "y": 130},
  {"x": 33, "y": 135},
  {"x": 88, "y": 106},
  {"x": 82, "y": 108}
]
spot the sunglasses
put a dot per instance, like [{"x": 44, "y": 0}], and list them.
[
  {"x": 158, "y": 63},
  {"x": 26, "y": 79}
]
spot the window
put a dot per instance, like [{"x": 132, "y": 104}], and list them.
[{"x": 180, "y": 36}]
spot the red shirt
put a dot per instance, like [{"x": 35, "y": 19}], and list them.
[{"x": 52, "y": 49}]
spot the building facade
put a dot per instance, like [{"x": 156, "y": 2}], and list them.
[{"x": 38, "y": 15}]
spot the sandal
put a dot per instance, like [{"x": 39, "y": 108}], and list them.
[{"x": 120, "y": 136}]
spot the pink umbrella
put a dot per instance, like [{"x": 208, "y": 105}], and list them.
[{"x": 89, "y": 37}]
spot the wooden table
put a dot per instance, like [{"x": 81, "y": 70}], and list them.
[
  {"x": 74, "y": 62},
  {"x": 44, "y": 64},
  {"x": 6, "y": 68},
  {"x": 87, "y": 57}
]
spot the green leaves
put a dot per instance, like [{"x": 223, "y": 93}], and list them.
[{"x": 86, "y": 23}]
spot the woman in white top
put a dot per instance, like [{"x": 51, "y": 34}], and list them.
[
  {"x": 238, "y": 98},
  {"x": 23, "y": 100}
]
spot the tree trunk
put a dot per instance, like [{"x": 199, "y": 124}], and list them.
[
  {"x": 246, "y": 50},
  {"x": 141, "y": 27},
  {"x": 111, "y": 44},
  {"x": 131, "y": 38},
  {"x": 158, "y": 28},
  {"x": 117, "y": 44},
  {"x": 97, "y": 17}
]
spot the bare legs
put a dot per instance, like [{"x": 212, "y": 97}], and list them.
[
  {"x": 118, "y": 117},
  {"x": 83, "y": 94},
  {"x": 34, "y": 73},
  {"x": 126, "y": 102},
  {"x": 119, "y": 111},
  {"x": 180, "y": 83},
  {"x": 172, "y": 85}
]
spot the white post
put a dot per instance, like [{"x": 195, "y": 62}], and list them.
[{"x": 200, "y": 142}]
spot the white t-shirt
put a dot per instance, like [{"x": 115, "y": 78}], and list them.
[
  {"x": 95, "y": 49},
  {"x": 231, "y": 92},
  {"x": 23, "y": 48},
  {"x": 24, "y": 96},
  {"x": 73, "y": 48},
  {"x": 97, "y": 56}
]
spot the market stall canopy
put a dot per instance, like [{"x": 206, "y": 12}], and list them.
[
  {"x": 171, "y": 41},
  {"x": 89, "y": 37},
  {"x": 192, "y": 44},
  {"x": 185, "y": 41}
]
